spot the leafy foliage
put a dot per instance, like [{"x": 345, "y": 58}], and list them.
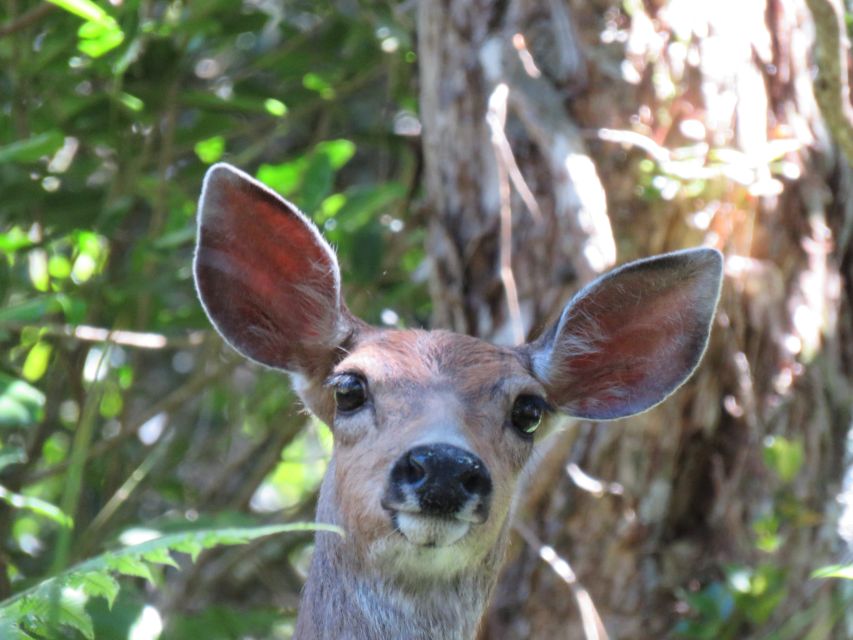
[
  {"x": 57, "y": 601},
  {"x": 118, "y": 404}
]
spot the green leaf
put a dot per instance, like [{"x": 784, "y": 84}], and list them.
[
  {"x": 98, "y": 38},
  {"x": 35, "y": 366},
  {"x": 59, "y": 267},
  {"x": 133, "y": 103},
  {"x": 275, "y": 107},
  {"x": 842, "y": 571},
  {"x": 130, "y": 561},
  {"x": 784, "y": 456},
  {"x": 21, "y": 404},
  {"x": 190, "y": 546},
  {"x": 210, "y": 150},
  {"x": 317, "y": 182},
  {"x": 47, "y": 615},
  {"x": 36, "y": 505},
  {"x": 31, "y": 310},
  {"x": 9, "y": 629},
  {"x": 33, "y": 148},
  {"x": 129, "y": 565},
  {"x": 11, "y": 455},
  {"x": 314, "y": 82},
  {"x": 96, "y": 584},
  {"x": 160, "y": 556},
  {"x": 72, "y": 613},
  {"x": 85, "y": 9},
  {"x": 14, "y": 239},
  {"x": 339, "y": 152},
  {"x": 284, "y": 177}
]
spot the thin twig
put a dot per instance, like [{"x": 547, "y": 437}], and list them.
[
  {"x": 497, "y": 122},
  {"x": 593, "y": 627},
  {"x": 175, "y": 399},
  {"x": 31, "y": 17},
  {"x": 496, "y": 118},
  {"x": 120, "y": 337}
]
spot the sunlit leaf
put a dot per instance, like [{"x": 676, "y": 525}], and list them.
[
  {"x": 72, "y": 612},
  {"x": 96, "y": 584},
  {"x": 284, "y": 177},
  {"x": 129, "y": 565},
  {"x": 33, "y": 148},
  {"x": 315, "y": 82},
  {"x": 98, "y": 38},
  {"x": 59, "y": 267},
  {"x": 111, "y": 403},
  {"x": 160, "y": 556},
  {"x": 14, "y": 240},
  {"x": 9, "y": 629},
  {"x": 842, "y": 571},
  {"x": 85, "y": 9},
  {"x": 20, "y": 403},
  {"x": 339, "y": 152},
  {"x": 784, "y": 456},
  {"x": 36, "y": 505},
  {"x": 131, "y": 102},
  {"x": 35, "y": 366},
  {"x": 210, "y": 150},
  {"x": 275, "y": 107}
]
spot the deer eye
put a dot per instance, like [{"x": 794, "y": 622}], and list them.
[
  {"x": 350, "y": 392},
  {"x": 526, "y": 414}
]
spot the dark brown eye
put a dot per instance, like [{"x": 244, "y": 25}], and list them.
[
  {"x": 350, "y": 392},
  {"x": 526, "y": 414}
]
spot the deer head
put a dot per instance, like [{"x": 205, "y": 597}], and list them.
[{"x": 431, "y": 428}]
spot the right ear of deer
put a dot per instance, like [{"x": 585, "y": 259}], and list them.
[
  {"x": 266, "y": 278},
  {"x": 632, "y": 337}
]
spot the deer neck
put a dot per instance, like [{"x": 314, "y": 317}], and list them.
[{"x": 344, "y": 599}]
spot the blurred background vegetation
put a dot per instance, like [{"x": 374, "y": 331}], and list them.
[{"x": 123, "y": 417}]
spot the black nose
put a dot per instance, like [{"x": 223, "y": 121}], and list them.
[{"x": 443, "y": 478}]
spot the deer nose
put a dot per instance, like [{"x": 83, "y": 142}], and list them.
[{"x": 444, "y": 480}]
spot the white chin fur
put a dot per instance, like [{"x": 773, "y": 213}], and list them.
[{"x": 432, "y": 532}]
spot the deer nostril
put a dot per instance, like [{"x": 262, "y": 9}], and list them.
[
  {"x": 410, "y": 470},
  {"x": 475, "y": 481},
  {"x": 414, "y": 470}
]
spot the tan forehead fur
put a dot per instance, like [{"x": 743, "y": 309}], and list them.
[{"x": 434, "y": 358}]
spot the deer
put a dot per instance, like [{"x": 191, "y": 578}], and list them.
[{"x": 431, "y": 429}]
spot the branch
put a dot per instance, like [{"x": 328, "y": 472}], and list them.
[
  {"x": 831, "y": 89},
  {"x": 29, "y": 18},
  {"x": 593, "y": 627},
  {"x": 177, "y": 398}
]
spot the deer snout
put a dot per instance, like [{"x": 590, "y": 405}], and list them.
[{"x": 440, "y": 480}]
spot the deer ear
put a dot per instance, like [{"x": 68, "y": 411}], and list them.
[
  {"x": 268, "y": 281},
  {"x": 632, "y": 337}
]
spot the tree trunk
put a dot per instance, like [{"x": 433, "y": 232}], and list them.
[{"x": 698, "y": 121}]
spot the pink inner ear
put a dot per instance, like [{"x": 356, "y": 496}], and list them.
[
  {"x": 267, "y": 279},
  {"x": 634, "y": 336},
  {"x": 636, "y": 363}
]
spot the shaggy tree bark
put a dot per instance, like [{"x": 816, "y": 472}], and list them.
[{"x": 707, "y": 110}]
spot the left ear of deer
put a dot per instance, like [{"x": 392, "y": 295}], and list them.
[
  {"x": 632, "y": 337},
  {"x": 268, "y": 281}
]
